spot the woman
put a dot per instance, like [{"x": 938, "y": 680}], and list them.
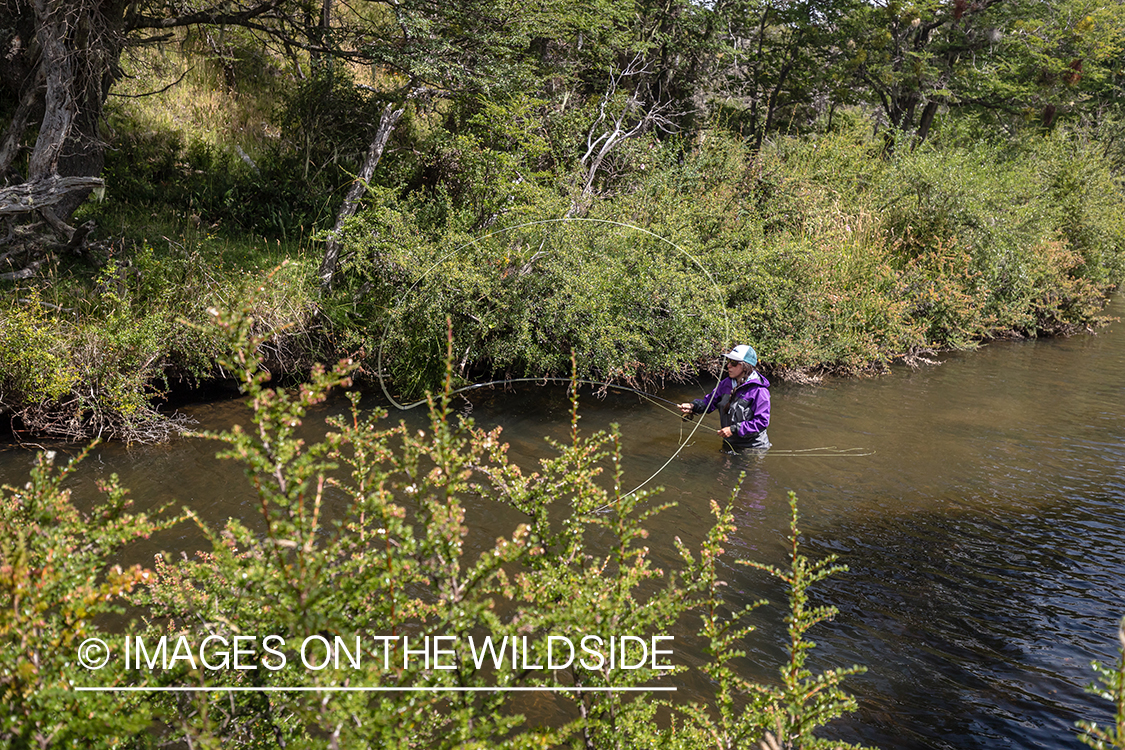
[{"x": 743, "y": 401}]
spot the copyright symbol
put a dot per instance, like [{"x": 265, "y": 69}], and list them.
[{"x": 93, "y": 653}]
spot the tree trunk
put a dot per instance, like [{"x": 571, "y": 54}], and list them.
[
  {"x": 10, "y": 144},
  {"x": 57, "y": 101},
  {"x": 759, "y": 91},
  {"x": 925, "y": 122},
  {"x": 83, "y": 153},
  {"x": 387, "y": 123},
  {"x": 771, "y": 102},
  {"x": 65, "y": 76}
]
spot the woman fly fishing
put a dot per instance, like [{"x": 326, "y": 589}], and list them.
[{"x": 743, "y": 401}]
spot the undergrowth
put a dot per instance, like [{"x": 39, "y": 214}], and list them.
[
  {"x": 95, "y": 357},
  {"x": 825, "y": 258}
]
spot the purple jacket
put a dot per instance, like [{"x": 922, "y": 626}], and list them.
[{"x": 744, "y": 408}]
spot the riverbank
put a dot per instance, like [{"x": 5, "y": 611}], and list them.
[{"x": 828, "y": 256}]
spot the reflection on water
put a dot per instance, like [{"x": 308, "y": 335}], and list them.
[{"x": 984, "y": 534}]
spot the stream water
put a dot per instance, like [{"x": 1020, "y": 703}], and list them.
[{"x": 983, "y": 532}]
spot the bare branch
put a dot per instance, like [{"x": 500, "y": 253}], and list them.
[
  {"x": 60, "y": 226},
  {"x": 215, "y": 15},
  {"x": 24, "y": 273},
  {"x": 374, "y": 153},
  {"x": 610, "y": 128},
  {"x": 158, "y": 91},
  {"x": 33, "y": 195},
  {"x": 154, "y": 39}
]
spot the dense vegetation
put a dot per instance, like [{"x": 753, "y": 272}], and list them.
[{"x": 843, "y": 184}]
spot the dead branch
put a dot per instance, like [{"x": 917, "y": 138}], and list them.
[
  {"x": 154, "y": 93},
  {"x": 60, "y": 226},
  {"x": 24, "y": 273},
  {"x": 610, "y": 129},
  {"x": 374, "y": 153},
  {"x": 38, "y": 194}
]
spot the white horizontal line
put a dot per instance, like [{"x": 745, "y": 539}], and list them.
[{"x": 561, "y": 689}]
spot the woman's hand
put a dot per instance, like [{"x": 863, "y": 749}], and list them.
[
  {"x": 686, "y": 409},
  {"x": 724, "y": 432}
]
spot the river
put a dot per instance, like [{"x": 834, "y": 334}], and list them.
[{"x": 983, "y": 526}]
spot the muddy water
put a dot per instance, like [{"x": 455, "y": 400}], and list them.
[{"x": 985, "y": 530}]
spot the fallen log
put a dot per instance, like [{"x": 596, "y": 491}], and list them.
[{"x": 36, "y": 194}]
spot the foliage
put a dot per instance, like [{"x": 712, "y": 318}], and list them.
[
  {"x": 56, "y": 582},
  {"x": 97, "y": 359},
  {"x": 74, "y": 380},
  {"x": 820, "y": 255},
  {"x": 1050, "y": 65},
  {"x": 1112, "y": 688},
  {"x": 804, "y": 701},
  {"x": 763, "y": 155},
  {"x": 627, "y": 303},
  {"x": 30, "y": 358},
  {"x": 272, "y": 196},
  {"x": 735, "y": 725},
  {"x": 754, "y": 715},
  {"x": 783, "y": 58},
  {"x": 326, "y": 117}
]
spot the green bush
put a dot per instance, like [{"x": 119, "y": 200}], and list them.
[
  {"x": 33, "y": 361},
  {"x": 817, "y": 251},
  {"x": 97, "y": 361},
  {"x": 629, "y": 305},
  {"x": 57, "y": 582}
]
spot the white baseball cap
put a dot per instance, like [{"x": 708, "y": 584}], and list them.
[{"x": 743, "y": 353}]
